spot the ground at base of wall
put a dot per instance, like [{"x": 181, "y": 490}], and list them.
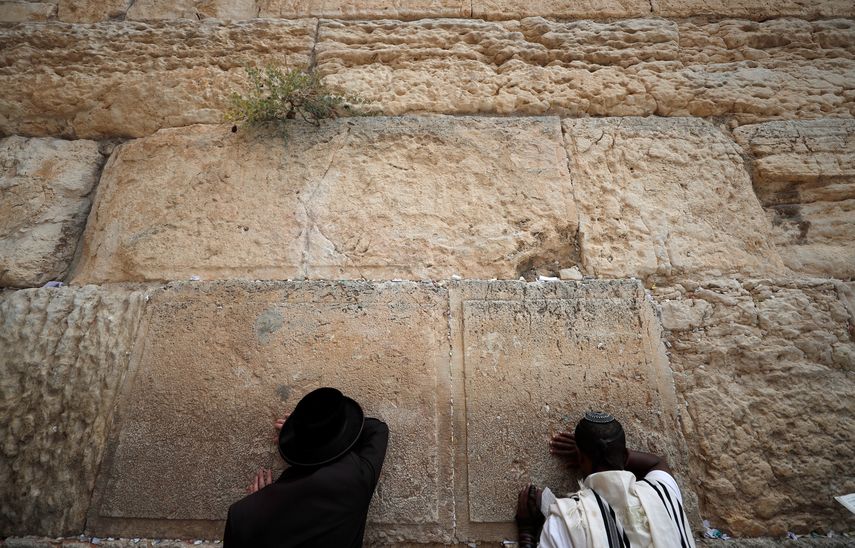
[{"x": 847, "y": 539}]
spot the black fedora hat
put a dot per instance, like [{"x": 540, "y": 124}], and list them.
[{"x": 324, "y": 426}]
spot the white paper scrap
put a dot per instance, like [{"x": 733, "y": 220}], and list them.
[{"x": 848, "y": 501}]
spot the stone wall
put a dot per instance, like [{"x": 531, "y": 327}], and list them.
[{"x": 691, "y": 161}]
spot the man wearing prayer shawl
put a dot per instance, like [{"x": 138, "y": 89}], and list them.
[{"x": 627, "y": 498}]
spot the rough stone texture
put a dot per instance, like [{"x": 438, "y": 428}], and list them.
[
  {"x": 192, "y": 9},
  {"x": 623, "y": 68},
  {"x": 804, "y": 175},
  {"x": 765, "y": 372},
  {"x": 129, "y": 79},
  {"x": 92, "y": 11},
  {"x": 45, "y": 187},
  {"x": 664, "y": 198},
  {"x": 560, "y": 9},
  {"x": 365, "y": 9},
  {"x": 754, "y": 9},
  {"x": 548, "y": 352},
  {"x": 63, "y": 356},
  {"x": 416, "y": 198},
  {"x": 222, "y": 361},
  {"x": 17, "y": 11}
]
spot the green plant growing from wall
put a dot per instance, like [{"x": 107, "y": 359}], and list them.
[{"x": 276, "y": 96}]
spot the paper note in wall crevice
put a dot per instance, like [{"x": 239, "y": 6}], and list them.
[{"x": 848, "y": 501}]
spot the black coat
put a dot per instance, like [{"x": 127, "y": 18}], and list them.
[{"x": 324, "y": 506}]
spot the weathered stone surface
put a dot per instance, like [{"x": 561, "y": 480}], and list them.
[
  {"x": 130, "y": 79},
  {"x": 664, "y": 198},
  {"x": 63, "y": 356},
  {"x": 192, "y": 9},
  {"x": 765, "y": 370},
  {"x": 625, "y": 68},
  {"x": 754, "y": 9},
  {"x": 364, "y": 197},
  {"x": 560, "y": 9},
  {"x": 365, "y": 9},
  {"x": 534, "y": 358},
  {"x": 222, "y": 361},
  {"x": 45, "y": 187},
  {"x": 92, "y": 11},
  {"x": 804, "y": 175},
  {"x": 17, "y": 11}
]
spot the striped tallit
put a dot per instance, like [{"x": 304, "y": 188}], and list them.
[{"x": 614, "y": 510}]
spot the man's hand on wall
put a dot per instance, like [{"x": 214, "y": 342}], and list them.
[
  {"x": 262, "y": 479},
  {"x": 563, "y": 445}
]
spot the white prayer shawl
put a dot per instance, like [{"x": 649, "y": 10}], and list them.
[{"x": 613, "y": 510}]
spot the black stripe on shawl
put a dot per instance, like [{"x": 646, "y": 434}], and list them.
[
  {"x": 678, "y": 518},
  {"x": 681, "y": 515},
  {"x": 613, "y": 527},
  {"x": 668, "y": 511},
  {"x": 611, "y": 534}
]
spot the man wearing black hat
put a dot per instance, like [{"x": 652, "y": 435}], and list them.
[
  {"x": 335, "y": 456},
  {"x": 628, "y": 498}
]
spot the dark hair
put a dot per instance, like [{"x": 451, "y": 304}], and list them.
[{"x": 603, "y": 443}]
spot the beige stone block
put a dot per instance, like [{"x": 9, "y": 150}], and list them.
[
  {"x": 63, "y": 356},
  {"x": 146, "y": 10},
  {"x": 634, "y": 67},
  {"x": 662, "y": 198},
  {"x": 767, "y": 386},
  {"x": 45, "y": 187},
  {"x": 92, "y": 11},
  {"x": 560, "y": 9},
  {"x": 754, "y": 9},
  {"x": 532, "y": 359},
  {"x": 364, "y": 9},
  {"x": 131, "y": 78},
  {"x": 376, "y": 198},
  {"x": 223, "y": 360},
  {"x": 804, "y": 175},
  {"x": 17, "y": 11}
]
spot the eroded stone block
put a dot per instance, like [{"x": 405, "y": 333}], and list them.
[
  {"x": 45, "y": 187},
  {"x": 63, "y": 356},
  {"x": 765, "y": 374},
  {"x": 17, "y": 11},
  {"x": 92, "y": 11},
  {"x": 560, "y": 9},
  {"x": 534, "y": 358},
  {"x": 147, "y": 10},
  {"x": 364, "y": 9},
  {"x": 630, "y": 67},
  {"x": 223, "y": 361},
  {"x": 129, "y": 79},
  {"x": 804, "y": 175},
  {"x": 378, "y": 198},
  {"x": 665, "y": 198}
]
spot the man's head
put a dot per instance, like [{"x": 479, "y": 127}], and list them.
[{"x": 601, "y": 443}]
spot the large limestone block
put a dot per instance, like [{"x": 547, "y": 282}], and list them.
[
  {"x": 63, "y": 356},
  {"x": 663, "y": 198},
  {"x": 754, "y": 9},
  {"x": 804, "y": 175},
  {"x": 142, "y": 10},
  {"x": 365, "y": 9},
  {"x": 222, "y": 361},
  {"x": 376, "y": 198},
  {"x": 765, "y": 371},
  {"x": 531, "y": 359},
  {"x": 45, "y": 187},
  {"x": 560, "y": 9},
  {"x": 632, "y": 67},
  {"x": 92, "y": 11},
  {"x": 19, "y": 11},
  {"x": 129, "y": 79}
]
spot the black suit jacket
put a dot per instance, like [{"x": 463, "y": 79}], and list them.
[{"x": 324, "y": 506}]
